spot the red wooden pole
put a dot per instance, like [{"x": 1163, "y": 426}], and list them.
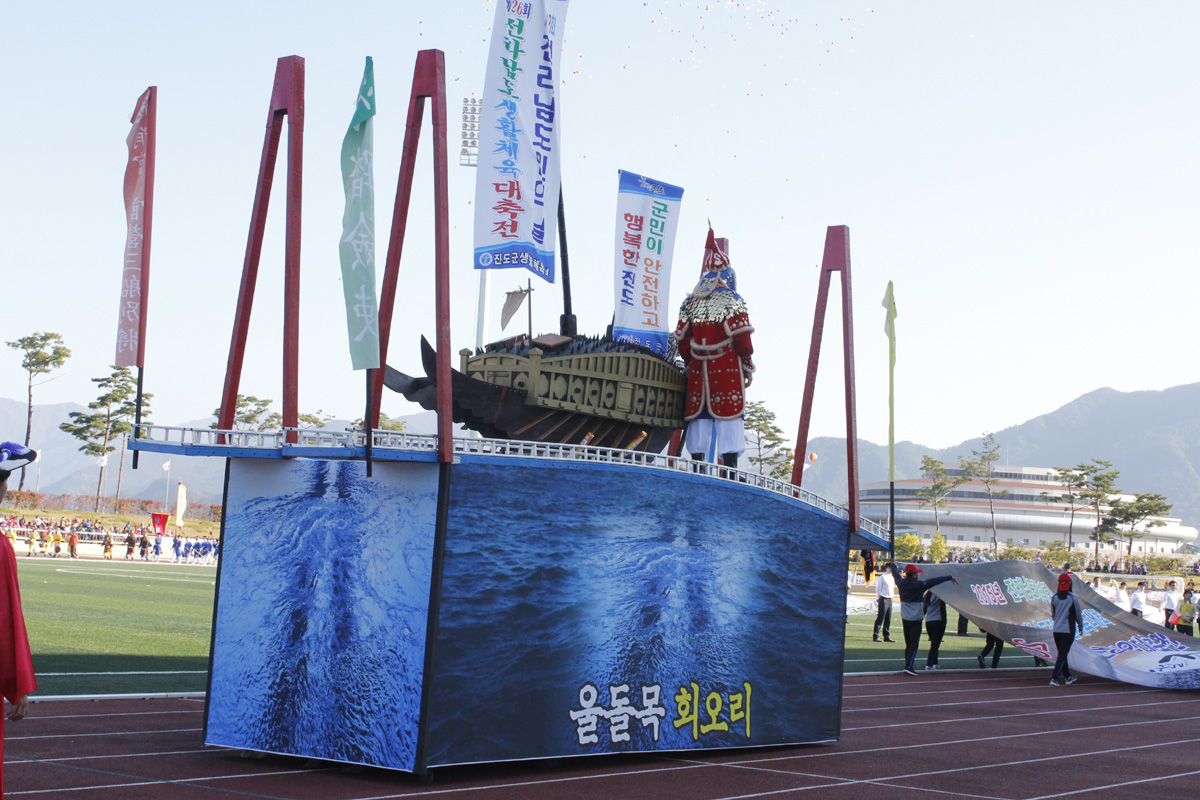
[
  {"x": 441, "y": 222},
  {"x": 283, "y": 101},
  {"x": 810, "y": 379},
  {"x": 429, "y": 80},
  {"x": 293, "y": 96},
  {"x": 391, "y": 264},
  {"x": 836, "y": 258}
]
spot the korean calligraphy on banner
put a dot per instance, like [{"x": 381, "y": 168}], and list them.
[
  {"x": 135, "y": 272},
  {"x": 517, "y": 185},
  {"x": 357, "y": 245},
  {"x": 647, "y": 215},
  {"x": 1011, "y": 599}
]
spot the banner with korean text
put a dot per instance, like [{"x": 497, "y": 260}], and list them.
[
  {"x": 517, "y": 185},
  {"x": 1011, "y": 600},
  {"x": 139, "y": 193},
  {"x": 647, "y": 216},
  {"x": 356, "y": 248}
]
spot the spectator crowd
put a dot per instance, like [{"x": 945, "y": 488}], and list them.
[{"x": 62, "y": 537}]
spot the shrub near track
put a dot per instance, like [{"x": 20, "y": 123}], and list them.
[{"x": 86, "y": 618}]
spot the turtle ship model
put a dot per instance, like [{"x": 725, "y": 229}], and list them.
[{"x": 559, "y": 389}]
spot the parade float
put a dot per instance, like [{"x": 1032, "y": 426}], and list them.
[{"x": 558, "y": 586}]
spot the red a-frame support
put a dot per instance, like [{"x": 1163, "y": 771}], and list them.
[
  {"x": 429, "y": 81},
  {"x": 287, "y": 99},
  {"x": 836, "y": 259}
]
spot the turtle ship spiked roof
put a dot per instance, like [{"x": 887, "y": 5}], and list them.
[{"x": 559, "y": 389}]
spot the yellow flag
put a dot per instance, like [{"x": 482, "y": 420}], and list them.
[{"x": 889, "y": 327}]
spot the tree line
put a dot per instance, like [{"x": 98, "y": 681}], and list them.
[
  {"x": 1088, "y": 485},
  {"x": 110, "y": 419}
]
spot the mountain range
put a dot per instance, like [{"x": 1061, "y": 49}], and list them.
[{"x": 1152, "y": 437}]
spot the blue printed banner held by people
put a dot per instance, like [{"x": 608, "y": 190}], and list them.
[
  {"x": 357, "y": 246},
  {"x": 647, "y": 216},
  {"x": 1011, "y": 600},
  {"x": 517, "y": 184}
]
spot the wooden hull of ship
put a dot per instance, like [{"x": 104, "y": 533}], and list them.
[{"x": 505, "y": 412}]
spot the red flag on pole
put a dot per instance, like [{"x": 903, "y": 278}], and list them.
[{"x": 139, "y": 202}]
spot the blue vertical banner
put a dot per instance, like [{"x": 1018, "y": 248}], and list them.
[
  {"x": 517, "y": 183},
  {"x": 647, "y": 216}
]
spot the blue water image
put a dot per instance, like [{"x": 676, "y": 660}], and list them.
[
  {"x": 590, "y": 608},
  {"x": 321, "y": 615}
]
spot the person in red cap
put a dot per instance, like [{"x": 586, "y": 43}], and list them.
[
  {"x": 912, "y": 613},
  {"x": 713, "y": 338},
  {"x": 16, "y": 662},
  {"x": 1067, "y": 614}
]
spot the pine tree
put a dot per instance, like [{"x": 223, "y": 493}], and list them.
[
  {"x": 43, "y": 352},
  {"x": 114, "y": 412}
]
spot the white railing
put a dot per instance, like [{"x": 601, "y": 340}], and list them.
[
  {"x": 211, "y": 437},
  {"x": 505, "y": 448}
]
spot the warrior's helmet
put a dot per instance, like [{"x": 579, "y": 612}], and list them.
[{"x": 715, "y": 273}]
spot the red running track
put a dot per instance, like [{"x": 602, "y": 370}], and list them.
[{"x": 996, "y": 735}]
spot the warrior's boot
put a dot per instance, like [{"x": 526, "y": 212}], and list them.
[{"x": 730, "y": 460}]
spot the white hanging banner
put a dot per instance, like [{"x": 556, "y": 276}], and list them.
[
  {"x": 517, "y": 184},
  {"x": 647, "y": 216}
]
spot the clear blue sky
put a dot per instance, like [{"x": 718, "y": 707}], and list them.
[{"x": 1025, "y": 172}]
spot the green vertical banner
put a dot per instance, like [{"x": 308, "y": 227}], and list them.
[
  {"x": 889, "y": 327},
  {"x": 357, "y": 246}
]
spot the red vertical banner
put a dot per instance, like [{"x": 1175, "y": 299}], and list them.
[{"x": 139, "y": 202}]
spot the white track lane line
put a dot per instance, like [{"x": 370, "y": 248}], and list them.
[
  {"x": 106, "y": 733},
  {"x": 1024, "y": 714},
  {"x": 176, "y": 782},
  {"x": 974, "y": 740},
  {"x": 56, "y": 760},
  {"x": 1119, "y": 785},
  {"x": 888, "y": 780},
  {"x": 40, "y": 717}
]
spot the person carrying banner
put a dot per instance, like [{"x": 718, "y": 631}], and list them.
[
  {"x": 1067, "y": 614},
  {"x": 1137, "y": 600},
  {"x": 912, "y": 591},
  {"x": 1187, "y": 613},
  {"x": 935, "y": 627},
  {"x": 993, "y": 641},
  {"x": 1169, "y": 605},
  {"x": 713, "y": 338},
  {"x": 1122, "y": 599},
  {"x": 885, "y": 587},
  {"x": 16, "y": 662}
]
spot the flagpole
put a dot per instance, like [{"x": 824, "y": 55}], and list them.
[
  {"x": 167, "y": 494},
  {"x": 368, "y": 419},
  {"x": 889, "y": 302},
  {"x": 567, "y": 325}
]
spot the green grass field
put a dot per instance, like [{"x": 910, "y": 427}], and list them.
[
  {"x": 956, "y": 652},
  {"x": 90, "y": 620},
  {"x": 101, "y": 627}
]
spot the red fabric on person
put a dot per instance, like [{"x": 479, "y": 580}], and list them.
[
  {"x": 714, "y": 353},
  {"x": 16, "y": 662}
]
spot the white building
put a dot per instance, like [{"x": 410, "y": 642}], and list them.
[{"x": 1025, "y": 515}]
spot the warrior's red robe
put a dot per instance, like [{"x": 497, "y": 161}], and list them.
[
  {"x": 717, "y": 357},
  {"x": 16, "y": 663}
]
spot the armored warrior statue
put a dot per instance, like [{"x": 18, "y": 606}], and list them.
[{"x": 713, "y": 337}]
